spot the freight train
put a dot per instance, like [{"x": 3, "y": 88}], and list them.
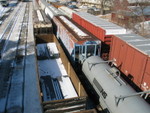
[
  {"x": 115, "y": 96},
  {"x": 130, "y": 52}
]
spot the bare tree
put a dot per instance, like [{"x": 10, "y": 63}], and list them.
[
  {"x": 105, "y": 4},
  {"x": 134, "y": 11},
  {"x": 139, "y": 11},
  {"x": 120, "y": 5}
]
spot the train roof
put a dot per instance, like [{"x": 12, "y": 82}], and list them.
[
  {"x": 55, "y": 10},
  {"x": 79, "y": 33},
  {"x": 73, "y": 27},
  {"x": 109, "y": 27},
  {"x": 137, "y": 41}
]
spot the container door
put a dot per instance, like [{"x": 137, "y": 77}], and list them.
[
  {"x": 77, "y": 52},
  {"x": 115, "y": 51},
  {"x": 128, "y": 62},
  {"x": 145, "y": 84},
  {"x": 122, "y": 54},
  {"x": 138, "y": 66},
  {"x": 82, "y": 53}
]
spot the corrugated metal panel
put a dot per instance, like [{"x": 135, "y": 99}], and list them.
[
  {"x": 67, "y": 11},
  {"x": 117, "y": 51},
  {"x": 136, "y": 41},
  {"x": 145, "y": 84}
]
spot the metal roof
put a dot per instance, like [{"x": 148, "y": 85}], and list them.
[
  {"x": 77, "y": 36},
  {"x": 109, "y": 27},
  {"x": 137, "y": 1},
  {"x": 137, "y": 41},
  {"x": 137, "y": 10}
]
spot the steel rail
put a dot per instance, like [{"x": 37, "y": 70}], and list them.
[
  {"x": 21, "y": 42},
  {"x": 7, "y": 32}
]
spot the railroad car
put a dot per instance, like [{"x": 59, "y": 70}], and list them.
[
  {"x": 78, "y": 43},
  {"x": 116, "y": 96},
  {"x": 101, "y": 28},
  {"x": 57, "y": 4},
  {"x": 67, "y": 11},
  {"x": 43, "y": 4},
  {"x": 131, "y": 54},
  {"x": 49, "y": 9}
]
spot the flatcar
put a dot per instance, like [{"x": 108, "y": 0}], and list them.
[{"x": 116, "y": 96}]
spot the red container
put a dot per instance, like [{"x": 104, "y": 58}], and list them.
[{"x": 130, "y": 57}]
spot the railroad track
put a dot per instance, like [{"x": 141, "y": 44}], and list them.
[
  {"x": 13, "y": 95},
  {"x": 8, "y": 30},
  {"x": 5, "y": 14}
]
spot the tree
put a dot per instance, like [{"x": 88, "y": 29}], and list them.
[
  {"x": 140, "y": 14},
  {"x": 105, "y": 4},
  {"x": 120, "y": 5},
  {"x": 134, "y": 11}
]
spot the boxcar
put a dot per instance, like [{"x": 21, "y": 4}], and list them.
[
  {"x": 101, "y": 28},
  {"x": 131, "y": 55},
  {"x": 78, "y": 43}
]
